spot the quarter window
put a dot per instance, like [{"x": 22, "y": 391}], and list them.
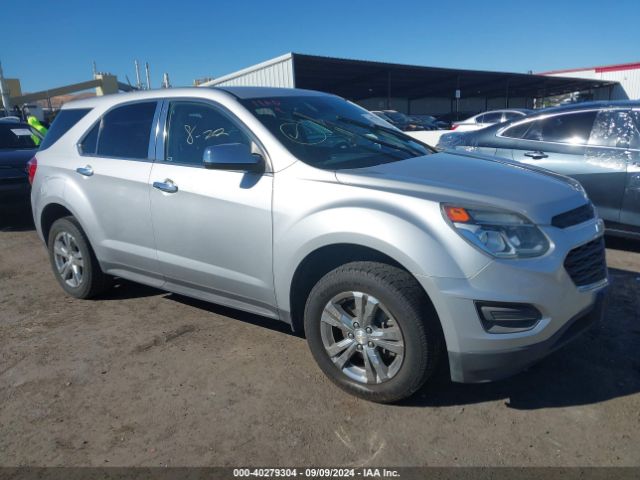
[
  {"x": 126, "y": 130},
  {"x": 63, "y": 122},
  {"x": 193, "y": 126},
  {"x": 634, "y": 142},
  {"x": 613, "y": 128},
  {"x": 89, "y": 143}
]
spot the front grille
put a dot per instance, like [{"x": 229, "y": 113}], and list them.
[
  {"x": 586, "y": 264},
  {"x": 574, "y": 217}
]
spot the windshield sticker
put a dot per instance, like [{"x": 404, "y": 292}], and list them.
[
  {"x": 21, "y": 132},
  {"x": 304, "y": 133}
]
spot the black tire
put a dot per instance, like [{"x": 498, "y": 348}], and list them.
[
  {"x": 405, "y": 300},
  {"x": 94, "y": 281}
]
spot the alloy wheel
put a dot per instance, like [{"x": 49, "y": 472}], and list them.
[
  {"x": 362, "y": 338},
  {"x": 68, "y": 259}
]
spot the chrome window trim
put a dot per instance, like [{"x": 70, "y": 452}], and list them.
[
  {"x": 555, "y": 114},
  {"x": 162, "y": 130},
  {"x": 151, "y": 146}
]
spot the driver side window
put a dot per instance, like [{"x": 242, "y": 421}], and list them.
[{"x": 193, "y": 126}]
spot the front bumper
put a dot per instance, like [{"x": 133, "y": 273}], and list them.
[
  {"x": 475, "y": 355},
  {"x": 488, "y": 366}
]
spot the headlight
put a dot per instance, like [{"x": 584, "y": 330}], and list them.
[{"x": 500, "y": 233}]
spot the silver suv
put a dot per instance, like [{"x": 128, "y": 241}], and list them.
[{"x": 303, "y": 207}]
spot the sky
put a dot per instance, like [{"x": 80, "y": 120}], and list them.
[{"x": 53, "y": 43}]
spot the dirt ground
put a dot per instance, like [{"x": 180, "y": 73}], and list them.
[{"x": 145, "y": 378}]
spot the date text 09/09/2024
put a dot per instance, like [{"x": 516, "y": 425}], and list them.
[{"x": 316, "y": 472}]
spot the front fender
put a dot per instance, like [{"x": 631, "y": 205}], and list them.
[{"x": 396, "y": 234}]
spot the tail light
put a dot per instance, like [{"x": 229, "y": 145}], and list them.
[
  {"x": 454, "y": 126},
  {"x": 32, "y": 166}
]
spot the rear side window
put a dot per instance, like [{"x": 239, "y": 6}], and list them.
[
  {"x": 517, "y": 131},
  {"x": 125, "y": 131},
  {"x": 570, "y": 128},
  {"x": 16, "y": 136},
  {"x": 495, "y": 117},
  {"x": 62, "y": 124},
  {"x": 508, "y": 116}
]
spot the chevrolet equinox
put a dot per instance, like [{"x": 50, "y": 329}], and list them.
[{"x": 301, "y": 206}]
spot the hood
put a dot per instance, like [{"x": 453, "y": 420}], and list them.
[{"x": 474, "y": 179}]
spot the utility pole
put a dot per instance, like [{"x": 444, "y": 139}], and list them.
[
  {"x": 138, "y": 84},
  {"x": 146, "y": 68},
  {"x": 165, "y": 81},
  {"x": 6, "y": 101}
]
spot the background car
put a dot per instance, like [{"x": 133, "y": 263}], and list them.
[
  {"x": 10, "y": 119},
  {"x": 18, "y": 144},
  {"x": 492, "y": 117},
  {"x": 597, "y": 143},
  {"x": 399, "y": 120},
  {"x": 431, "y": 122}
]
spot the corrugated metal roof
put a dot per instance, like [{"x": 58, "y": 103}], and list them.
[
  {"x": 277, "y": 72},
  {"x": 361, "y": 79}
]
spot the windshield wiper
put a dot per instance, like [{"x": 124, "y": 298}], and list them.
[
  {"x": 337, "y": 126},
  {"x": 382, "y": 128}
]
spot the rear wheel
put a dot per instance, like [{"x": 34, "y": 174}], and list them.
[
  {"x": 73, "y": 262},
  {"x": 372, "y": 331}
]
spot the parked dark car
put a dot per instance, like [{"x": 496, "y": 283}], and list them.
[
  {"x": 430, "y": 122},
  {"x": 18, "y": 144},
  {"x": 597, "y": 143},
  {"x": 399, "y": 120},
  {"x": 448, "y": 119}
]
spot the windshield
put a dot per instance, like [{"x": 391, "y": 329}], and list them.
[
  {"x": 18, "y": 136},
  {"x": 330, "y": 133}
]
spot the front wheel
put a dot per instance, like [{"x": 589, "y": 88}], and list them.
[{"x": 372, "y": 331}]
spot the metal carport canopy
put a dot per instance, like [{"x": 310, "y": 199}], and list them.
[{"x": 360, "y": 79}]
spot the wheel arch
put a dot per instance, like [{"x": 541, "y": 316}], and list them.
[
  {"x": 50, "y": 213},
  {"x": 321, "y": 261}
]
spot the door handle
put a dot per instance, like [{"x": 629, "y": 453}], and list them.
[
  {"x": 536, "y": 155},
  {"x": 87, "y": 171},
  {"x": 167, "y": 186}
]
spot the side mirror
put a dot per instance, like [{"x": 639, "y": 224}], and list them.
[{"x": 232, "y": 156}]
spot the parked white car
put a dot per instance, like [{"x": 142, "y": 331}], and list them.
[{"x": 486, "y": 119}]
